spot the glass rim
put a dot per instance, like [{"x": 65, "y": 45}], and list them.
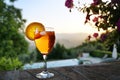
[{"x": 49, "y": 28}]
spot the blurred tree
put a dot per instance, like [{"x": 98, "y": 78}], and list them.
[
  {"x": 57, "y": 52},
  {"x": 10, "y": 64},
  {"x": 12, "y": 41}
]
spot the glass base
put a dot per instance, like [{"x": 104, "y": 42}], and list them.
[{"x": 44, "y": 74}]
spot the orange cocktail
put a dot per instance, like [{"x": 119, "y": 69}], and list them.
[{"x": 44, "y": 41}]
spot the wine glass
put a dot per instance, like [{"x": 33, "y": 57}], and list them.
[{"x": 44, "y": 42}]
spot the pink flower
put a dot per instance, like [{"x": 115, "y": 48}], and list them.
[
  {"x": 96, "y": 2},
  {"x": 103, "y": 36},
  {"x": 95, "y": 35},
  {"x": 69, "y": 3},
  {"x": 95, "y": 19},
  {"x": 118, "y": 25}
]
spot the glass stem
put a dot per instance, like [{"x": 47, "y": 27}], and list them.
[{"x": 45, "y": 62}]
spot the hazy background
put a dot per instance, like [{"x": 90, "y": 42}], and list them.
[
  {"x": 69, "y": 26},
  {"x": 54, "y": 13}
]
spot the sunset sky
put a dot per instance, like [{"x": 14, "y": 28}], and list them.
[{"x": 53, "y": 13}]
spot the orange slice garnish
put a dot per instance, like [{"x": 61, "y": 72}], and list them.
[{"x": 30, "y": 29}]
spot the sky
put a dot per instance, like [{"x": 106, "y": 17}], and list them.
[{"x": 53, "y": 13}]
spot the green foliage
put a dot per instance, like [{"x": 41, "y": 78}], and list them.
[
  {"x": 97, "y": 48},
  {"x": 100, "y": 53},
  {"x": 57, "y": 52},
  {"x": 60, "y": 52},
  {"x": 91, "y": 46},
  {"x": 12, "y": 41},
  {"x": 9, "y": 63},
  {"x": 113, "y": 38}
]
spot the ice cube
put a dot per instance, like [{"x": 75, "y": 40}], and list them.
[{"x": 43, "y": 33}]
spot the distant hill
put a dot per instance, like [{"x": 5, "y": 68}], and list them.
[{"x": 70, "y": 40}]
